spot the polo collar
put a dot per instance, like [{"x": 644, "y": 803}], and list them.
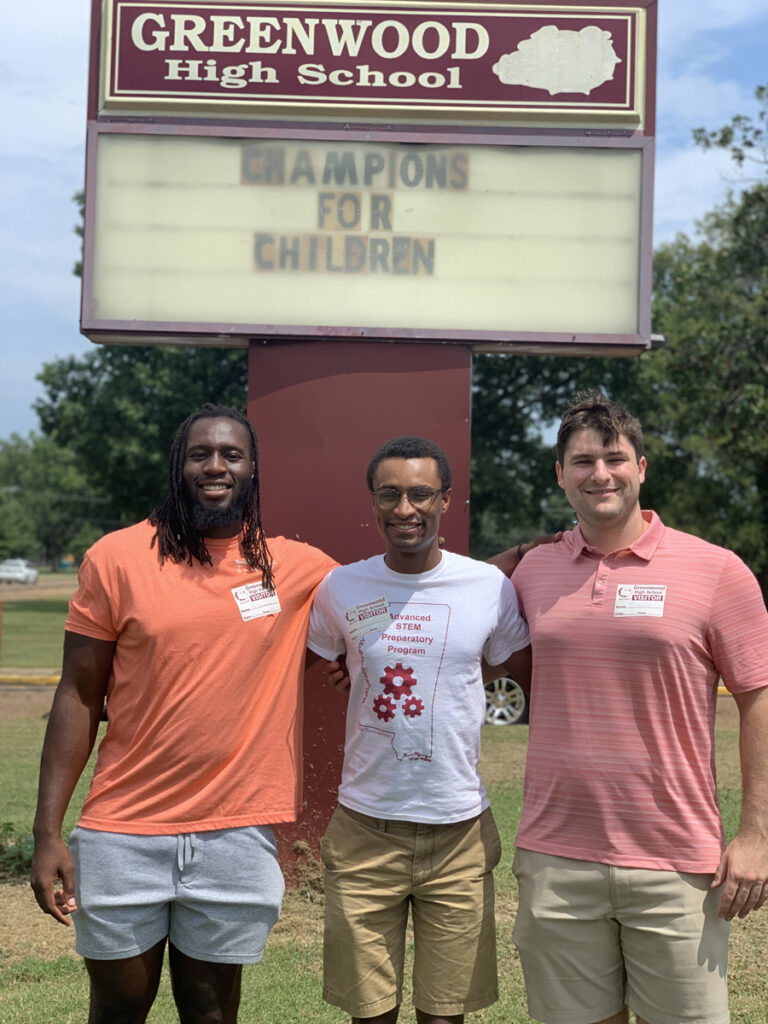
[{"x": 644, "y": 547}]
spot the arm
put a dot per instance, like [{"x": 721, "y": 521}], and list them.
[
  {"x": 69, "y": 739},
  {"x": 517, "y": 665},
  {"x": 509, "y": 560},
  {"x": 336, "y": 673},
  {"x": 744, "y": 866}
]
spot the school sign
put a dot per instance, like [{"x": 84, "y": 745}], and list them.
[{"x": 476, "y": 173}]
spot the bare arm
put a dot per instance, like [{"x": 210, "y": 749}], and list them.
[
  {"x": 517, "y": 665},
  {"x": 69, "y": 739},
  {"x": 509, "y": 560},
  {"x": 744, "y": 865}
]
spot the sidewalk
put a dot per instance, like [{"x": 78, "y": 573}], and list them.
[{"x": 29, "y": 676}]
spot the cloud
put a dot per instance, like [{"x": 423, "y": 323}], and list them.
[{"x": 683, "y": 22}]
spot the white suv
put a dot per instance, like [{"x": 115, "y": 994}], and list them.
[{"x": 16, "y": 570}]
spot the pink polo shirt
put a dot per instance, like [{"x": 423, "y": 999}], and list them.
[{"x": 627, "y": 651}]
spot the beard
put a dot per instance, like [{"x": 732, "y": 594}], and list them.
[{"x": 204, "y": 519}]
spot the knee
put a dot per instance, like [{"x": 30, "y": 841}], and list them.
[
  {"x": 122, "y": 991},
  {"x": 205, "y": 993},
  {"x": 119, "y": 1007}
]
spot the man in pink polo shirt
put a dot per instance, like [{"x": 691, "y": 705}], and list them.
[{"x": 626, "y": 884}]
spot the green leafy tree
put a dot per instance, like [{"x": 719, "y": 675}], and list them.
[
  {"x": 705, "y": 395},
  {"x": 516, "y": 400},
  {"x": 744, "y": 137},
  {"x": 46, "y": 508},
  {"x": 117, "y": 409},
  {"x": 702, "y": 397}
]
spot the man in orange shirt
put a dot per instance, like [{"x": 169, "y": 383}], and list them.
[{"x": 193, "y": 627}]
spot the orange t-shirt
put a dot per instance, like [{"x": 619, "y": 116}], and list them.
[{"x": 205, "y": 715}]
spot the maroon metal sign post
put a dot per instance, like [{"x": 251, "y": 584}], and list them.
[{"x": 365, "y": 195}]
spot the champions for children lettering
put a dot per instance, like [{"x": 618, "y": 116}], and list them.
[
  {"x": 543, "y": 56},
  {"x": 254, "y": 601},
  {"x": 639, "y": 599},
  {"x": 401, "y": 665}
]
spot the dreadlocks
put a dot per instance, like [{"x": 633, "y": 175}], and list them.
[{"x": 176, "y": 536}]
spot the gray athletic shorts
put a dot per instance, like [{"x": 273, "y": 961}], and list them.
[{"x": 215, "y": 895}]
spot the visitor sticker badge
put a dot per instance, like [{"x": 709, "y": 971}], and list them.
[
  {"x": 254, "y": 601},
  {"x": 639, "y": 599},
  {"x": 370, "y": 617}
]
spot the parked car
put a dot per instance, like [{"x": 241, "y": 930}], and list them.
[
  {"x": 16, "y": 570},
  {"x": 506, "y": 703}
]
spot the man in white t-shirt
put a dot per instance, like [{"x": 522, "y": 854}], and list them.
[{"x": 413, "y": 826}]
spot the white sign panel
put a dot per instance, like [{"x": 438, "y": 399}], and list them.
[{"x": 302, "y": 235}]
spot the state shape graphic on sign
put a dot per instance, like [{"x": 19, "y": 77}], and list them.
[{"x": 560, "y": 60}]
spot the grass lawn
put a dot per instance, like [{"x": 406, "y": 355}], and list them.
[
  {"x": 43, "y": 982},
  {"x": 33, "y": 631}
]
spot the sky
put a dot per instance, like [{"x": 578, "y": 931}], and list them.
[{"x": 711, "y": 57}]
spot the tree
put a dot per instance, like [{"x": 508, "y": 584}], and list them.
[
  {"x": 514, "y": 490},
  {"x": 117, "y": 409},
  {"x": 706, "y": 392},
  {"x": 703, "y": 397},
  {"x": 46, "y": 509},
  {"x": 745, "y": 138}
]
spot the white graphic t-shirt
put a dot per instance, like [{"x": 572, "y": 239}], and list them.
[{"x": 414, "y": 644}]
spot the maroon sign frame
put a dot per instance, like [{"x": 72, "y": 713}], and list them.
[{"x": 498, "y": 59}]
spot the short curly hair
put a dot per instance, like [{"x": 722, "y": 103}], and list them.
[
  {"x": 592, "y": 410},
  {"x": 411, "y": 446}
]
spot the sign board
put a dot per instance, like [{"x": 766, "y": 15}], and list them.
[
  {"x": 462, "y": 172},
  {"x": 370, "y": 239},
  {"x": 500, "y": 60}
]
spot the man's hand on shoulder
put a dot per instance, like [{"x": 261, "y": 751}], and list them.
[
  {"x": 509, "y": 560},
  {"x": 336, "y": 673}
]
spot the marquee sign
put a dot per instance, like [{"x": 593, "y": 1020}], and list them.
[
  {"x": 544, "y": 60},
  {"x": 236, "y": 238},
  {"x": 469, "y": 172}
]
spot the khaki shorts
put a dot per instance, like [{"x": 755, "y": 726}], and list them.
[
  {"x": 593, "y": 938},
  {"x": 375, "y": 869}
]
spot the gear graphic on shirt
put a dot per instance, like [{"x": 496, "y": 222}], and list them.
[
  {"x": 406, "y": 684},
  {"x": 413, "y": 707},
  {"x": 384, "y": 707}
]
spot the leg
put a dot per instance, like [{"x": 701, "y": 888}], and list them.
[
  {"x": 367, "y": 885},
  {"x": 383, "y": 1018},
  {"x": 122, "y": 991},
  {"x": 675, "y": 947},
  {"x": 622, "y": 1017},
  {"x": 205, "y": 993},
  {"x": 454, "y": 930},
  {"x": 569, "y": 941}
]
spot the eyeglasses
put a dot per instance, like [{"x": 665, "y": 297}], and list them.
[{"x": 387, "y": 498}]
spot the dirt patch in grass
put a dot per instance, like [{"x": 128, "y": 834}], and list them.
[
  {"x": 25, "y": 931},
  {"x": 25, "y": 701},
  {"x": 46, "y": 586}
]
